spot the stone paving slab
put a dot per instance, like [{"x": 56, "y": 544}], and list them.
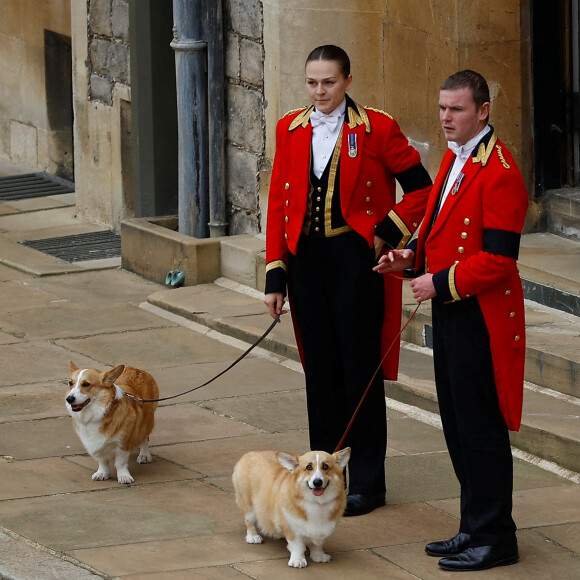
[
  {"x": 22, "y": 560},
  {"x": 179, "y": 520},
  {"x": 164, "y": 346},
  {"x": 539, "y": 560}
]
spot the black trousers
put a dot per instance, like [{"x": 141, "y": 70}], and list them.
[
  {"x": 476, "y": 434},
  {"x": 337, "y": 302}
]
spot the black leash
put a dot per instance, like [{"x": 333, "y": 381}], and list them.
[{"x": 276, "y": 320}]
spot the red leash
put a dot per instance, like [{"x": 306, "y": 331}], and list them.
[{"x": 341, "y": 442}]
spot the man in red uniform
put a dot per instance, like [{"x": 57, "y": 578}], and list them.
[{"x": 465, "y": 258}]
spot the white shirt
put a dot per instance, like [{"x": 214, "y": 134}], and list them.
[
  {"x": 463, "y": 153},
  {"x": 324, "y": 137}
]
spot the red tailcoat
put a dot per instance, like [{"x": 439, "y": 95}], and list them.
[
  {"x": 472, "y": 250},
  {"x": 367, "y": 196}
]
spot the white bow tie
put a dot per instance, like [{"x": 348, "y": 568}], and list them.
[
  {"x": 459, "y": 150},
  {"x": 319, "y": 118}
]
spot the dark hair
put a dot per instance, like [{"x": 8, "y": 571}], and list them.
[
  {"x": 331, "y": 52},
  {"x": 468, "y": 79}
]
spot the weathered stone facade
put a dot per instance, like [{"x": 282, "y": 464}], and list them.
[
  {"x": 108, "y": 42},
  {"x": 245, "y": 113}
]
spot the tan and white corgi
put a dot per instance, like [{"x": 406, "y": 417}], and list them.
[
  {"x": 300, "y": 498},
  {"x": 109, "y": 424}
]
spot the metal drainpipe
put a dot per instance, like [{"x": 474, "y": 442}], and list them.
[
  {"x": 216, "y": 89},
  {"x": 190, "y": 66}
]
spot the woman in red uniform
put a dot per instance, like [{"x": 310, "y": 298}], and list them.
[{"x": 331, "y": 212}]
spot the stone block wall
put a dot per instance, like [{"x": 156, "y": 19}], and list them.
[
  {"x": 245, "y": 143},
  {"x": 108, "y": 47}
]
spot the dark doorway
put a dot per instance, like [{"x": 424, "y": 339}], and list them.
[
  {"x": 555, "y": 69},
  {"x": 59, "y": 101}
]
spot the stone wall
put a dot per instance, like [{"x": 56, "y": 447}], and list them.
[
  {"x": 28, "y": 136},
  {"x": 102, "y": 129},
  {"x": 245, "y": 113},
  {"x": 108, "y": 47}
]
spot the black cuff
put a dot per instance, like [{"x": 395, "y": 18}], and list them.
[
  {"x": 275, "y": 281},
  {"x": 441, "y": 283}
]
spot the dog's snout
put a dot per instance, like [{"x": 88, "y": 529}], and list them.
[
  {"x": 317, "y": 482},
  {"x": 70, "y": 399}
]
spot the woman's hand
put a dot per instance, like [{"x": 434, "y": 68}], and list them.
[
  {"x": 395, "y": 261},
  {"x": 275, "y": 303}
]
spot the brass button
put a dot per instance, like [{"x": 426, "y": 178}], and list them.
[
  {"x": 286, "y": 236},
  {"x": 517, "y": 337},
  {"x": 287, "y": 202},
  {"x": 318, "y": 198},
  {"x": 467, "y": 295},
  {"x": 456, "y": 261},
  {"x": 317, "y": 208},
  {"x": 464, "y": 235},
  {"x": 317, "y": 219},
  {"x": 369, "y": 183},
  {"x": 316, "y": 229},
  {"x": 369, "y": 212},
  {"x": 466, "y": 221},
  {"x": 319, "y": 189},
  {"x": 512, "y": 314},
  {"x": 461, "y": 249},
  {"x": 287, "y": 186},
  {"x": 415, "y": 224},
  {"x": 286, "y": 219},
  {"x": 368, "y": 199},
  {"x": 507, "y": 292}
]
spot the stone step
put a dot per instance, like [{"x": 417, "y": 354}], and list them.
[
  {"x": 551, "y": 419},
  {"x": 563, "y": 211}
]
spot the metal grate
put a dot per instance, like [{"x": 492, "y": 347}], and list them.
[
  {"x": 80, "y": 247},
  {"x": 28, "y": 185}
]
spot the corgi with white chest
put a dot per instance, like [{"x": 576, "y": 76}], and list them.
[
  {"x": 300, "y": 498},
  {"x": 109, "y": 424}
]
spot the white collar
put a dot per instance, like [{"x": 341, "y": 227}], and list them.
[{"x": 463, "y": 151}]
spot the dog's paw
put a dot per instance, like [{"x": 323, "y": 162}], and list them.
[
  {"x": 320, "y": 556},
  {"x": 144, "y": 458},
  {"x": 299, "y": 562},
  {"x": 100, "y": 475},
  {"x": 253, "y": 538},
  {"x": 125, "y": 478}
]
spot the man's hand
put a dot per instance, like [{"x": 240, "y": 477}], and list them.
[
  {"x": 395, "y": 261},
  {"x": 423, "y": 288},
  {"x": 275, "y": 303}
]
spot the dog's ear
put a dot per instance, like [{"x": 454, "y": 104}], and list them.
[
  {"x": 288, "y": 460},
  {"x": 111, "y": 376},
  {"x": 342, "y": 457},
  {"x": 72, "y": 367}
]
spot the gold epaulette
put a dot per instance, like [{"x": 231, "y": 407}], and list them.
[
  {"x": 293, "y": 111},
  {"x": 379, "y": 111},
  {"x": 302, "y": 118}
]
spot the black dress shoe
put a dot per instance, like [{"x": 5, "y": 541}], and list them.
[
  {"x": 450, "y": 547},
  {"x": 481, "y": 558},
  {"x": 358, "y": 504}
]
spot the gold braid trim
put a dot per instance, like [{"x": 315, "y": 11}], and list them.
[
  {"x": 276, "y": 264},
  {"x": 501, "y": 157},
  {"x": 452, "y": 287},
  {"x": 402, "y": 228}
]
